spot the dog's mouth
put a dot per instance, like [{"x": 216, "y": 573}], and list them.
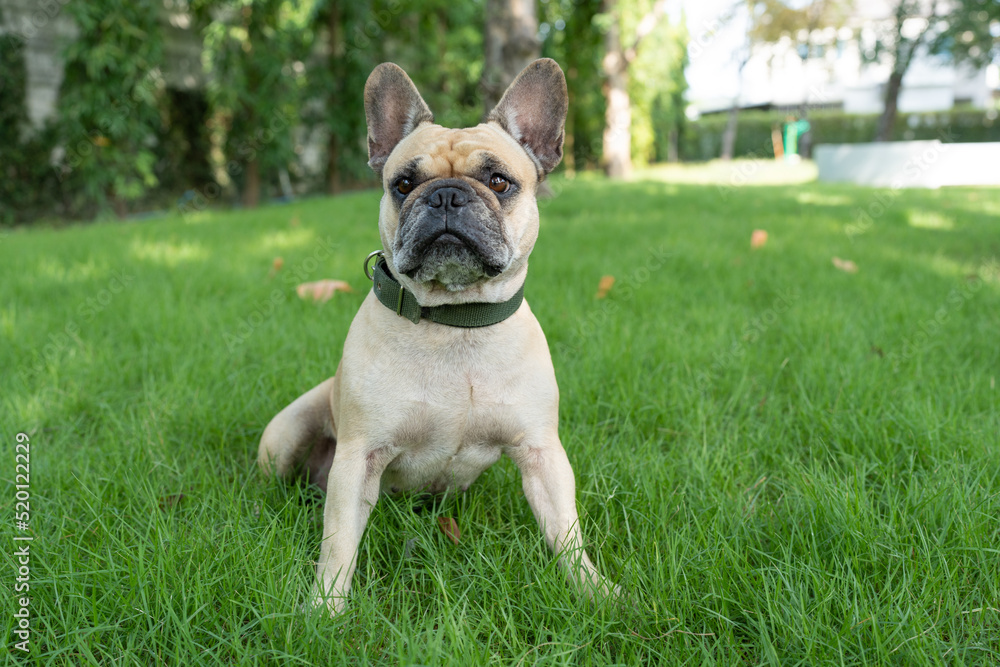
[
  {"x": 455, "y": 246},
  {"x": 452, "y": 247}
]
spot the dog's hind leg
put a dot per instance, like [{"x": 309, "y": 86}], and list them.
[{"x": 302, "y": 438}]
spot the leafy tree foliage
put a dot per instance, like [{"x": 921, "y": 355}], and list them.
[
  {"x": 344, "y": 52},
  {"x": 656, "y": 87},
  {"x": 773, "y": 19},
  {"x": 287, "y": 76},
  {"x": 575, "y": 33},
  {"x": 913, "y": 25},
  {"x": 253, "y": 55},
  {"x": 439, "y": 44},
  {"x": 572, "y": 39},
  {"x": 109, "y": 104},
  {"x": 13, "y": 125},
  {"x": 973, "y": 32},
  {"x": 13, "y": 115}
]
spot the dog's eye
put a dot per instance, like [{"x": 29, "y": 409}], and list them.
[
  {"x": 499, "y": 184},
  {"x": 404, "y": 186}
]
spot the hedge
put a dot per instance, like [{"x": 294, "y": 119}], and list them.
[{"x": 702, "y": 139}]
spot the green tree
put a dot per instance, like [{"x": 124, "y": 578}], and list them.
[
  {"x": 108, "y": 104},
  {"x": 13, "y": 126},
  {"x": 972, "y": 34},
  {"x": 510, "y": 40},
  {"x": 13, "y": 113},
  {"x": 342, "y": 58},
  {"x": 668, "y": 112},
  {"x": 626, "y": 24},
  {"x": 254, "y": 51},
  {"x": 656, "y": 88},
  {"x": 912, "y": 26},
  {"x": 572, "y": 39},
  {"x": 336, "y": 83},
  {"x": 441, "y": 45}
]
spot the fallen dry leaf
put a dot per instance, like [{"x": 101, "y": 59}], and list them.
[
  {"x": 845, "y": 265},
  {"x": 604, "y": 286},
  {"x": 294, "y": 222},
  {"x": 276, "y": 266},
  {"x": 758, "y": 238},
  {"x": 449, "y": 527},
  {"x": 322, "y": 291}
]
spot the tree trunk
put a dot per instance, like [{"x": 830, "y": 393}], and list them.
[
  {"x": 617, "y": 143},
  {"x": 618, "y": 127},
  {"x": 120, "y": 206},
  {"x": 251, "y": 188},
  {"x": 887, "y": 121},
  {"x": 510, "y": 43},
  {"x": 729, "y": 134},
  {"x": 334, "y": 182}
]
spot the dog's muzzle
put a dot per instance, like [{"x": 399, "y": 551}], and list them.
[{"x": 450, "y": 232}]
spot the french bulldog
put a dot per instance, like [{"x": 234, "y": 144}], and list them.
[{"x": 444, "y": 367}]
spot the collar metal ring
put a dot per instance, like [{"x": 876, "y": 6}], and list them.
[{"x": 368, "y": 259}]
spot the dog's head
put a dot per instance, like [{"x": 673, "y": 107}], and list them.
[{"x": 458, "y": 218}]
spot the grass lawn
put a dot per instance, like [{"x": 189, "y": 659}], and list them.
[{"x": 779, "y": 461}]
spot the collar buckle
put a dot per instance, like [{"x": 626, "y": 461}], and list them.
[{"x": 368, "y": 261}]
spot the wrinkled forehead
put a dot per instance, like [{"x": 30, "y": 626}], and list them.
[{"x": 441, "y": 152}]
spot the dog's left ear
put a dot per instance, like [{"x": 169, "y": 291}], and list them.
[
  {"x": 533, "y": 111},
  {"x": 393, "y": 109}
]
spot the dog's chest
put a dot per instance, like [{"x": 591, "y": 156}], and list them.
[
  {"x": 443, "y": 403},
  {"x": 448, "y": 436}
]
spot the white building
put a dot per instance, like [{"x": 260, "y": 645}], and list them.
[{"x": 833, "y": 74}]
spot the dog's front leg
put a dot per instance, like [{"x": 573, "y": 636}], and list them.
[
  {"x": 550, "y": 488},
  {"x": 352, "y": 491}
]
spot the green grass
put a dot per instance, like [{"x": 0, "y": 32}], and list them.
[{"x": 779, "y": 462}]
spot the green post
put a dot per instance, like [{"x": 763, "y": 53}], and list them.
[{"x": 793, "y": 130}]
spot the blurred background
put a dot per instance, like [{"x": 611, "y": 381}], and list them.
[{"x": 111, "y": 108}]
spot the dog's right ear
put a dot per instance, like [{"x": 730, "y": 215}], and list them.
[
  {"x": 533, "y": 111},
  {"x": 393, "y": 109}
]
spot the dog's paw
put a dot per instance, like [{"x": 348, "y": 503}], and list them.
[
  {"x": 597, "y": 589},
  {"x": 333, "y": 605},
  {"x": 603, "y": 589}
]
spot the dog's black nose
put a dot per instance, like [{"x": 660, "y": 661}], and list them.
[{"x": 448, "y": 198}]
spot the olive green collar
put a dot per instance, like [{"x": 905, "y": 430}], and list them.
[{"x": 402, "y": 302}]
